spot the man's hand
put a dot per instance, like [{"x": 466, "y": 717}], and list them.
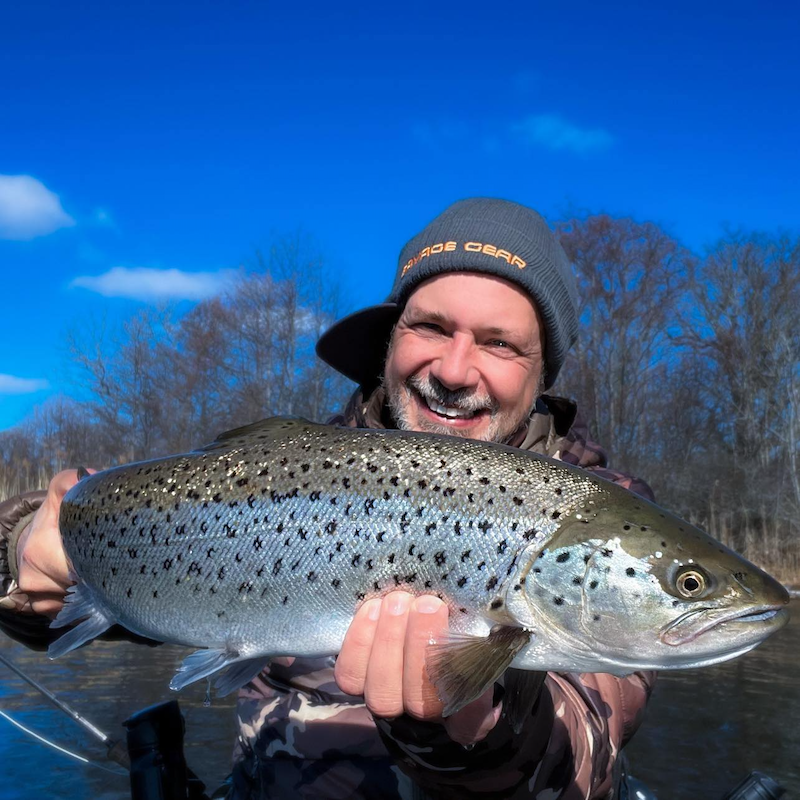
[
  {"x": 383, "y": 659},
  {"x": 42, "y": 562}
]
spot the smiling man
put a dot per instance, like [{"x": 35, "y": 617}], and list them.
[{"x": 476, "y": 328}]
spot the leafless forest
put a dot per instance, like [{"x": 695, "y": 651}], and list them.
[{"x": 688, "y": 371}]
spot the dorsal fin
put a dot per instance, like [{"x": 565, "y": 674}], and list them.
[{"x": 262, "y": 430}]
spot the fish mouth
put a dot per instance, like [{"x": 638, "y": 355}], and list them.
[{"x": 687, "y": 627}]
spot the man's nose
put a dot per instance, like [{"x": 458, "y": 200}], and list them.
[{"x": 455, "y": 367}]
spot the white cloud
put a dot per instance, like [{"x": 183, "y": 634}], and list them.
[
  {"x": 29, "y": 209},
  {"x": 146, "y": 283},
  {"x": 553, "y": 131},
  {"x": 11, "y": 384}
]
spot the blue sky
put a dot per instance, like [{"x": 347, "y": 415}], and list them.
[{"x": 141, "y": 144}]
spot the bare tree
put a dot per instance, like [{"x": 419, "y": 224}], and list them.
[{"x": 631, "y": 277}]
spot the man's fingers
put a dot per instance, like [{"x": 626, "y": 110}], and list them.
[
  {"x": 383, "y": 689},
  {"x": 351, "y": 665},
  {"x": 428, "y": 618},
  {"x": 473, "y": 722},
  {"x": 62, "y": 482}
]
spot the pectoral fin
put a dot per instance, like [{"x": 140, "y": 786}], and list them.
[
  {"x": 462, "y": 667},
  {"x": 522, "y": 690}
]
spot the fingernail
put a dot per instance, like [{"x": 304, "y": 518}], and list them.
[
  {"x": 397, "y": 603},
  {"x": 428, "y": 604},
  {"x": 373, "y": 609}
]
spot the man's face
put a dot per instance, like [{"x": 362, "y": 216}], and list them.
[{"x": 465, "y": 358}]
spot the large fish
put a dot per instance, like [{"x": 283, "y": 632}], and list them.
[{"x": 265, "y": 543}]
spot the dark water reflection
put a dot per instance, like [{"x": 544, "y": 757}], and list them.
[{"x": 705, "y": 728}]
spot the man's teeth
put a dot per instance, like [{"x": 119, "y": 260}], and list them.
[{"x": 445, "y": 411}]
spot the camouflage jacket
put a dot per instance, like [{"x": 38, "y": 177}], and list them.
[{"x": 299, "y": 736}]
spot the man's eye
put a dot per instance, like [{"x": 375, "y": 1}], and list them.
[
  {"x": 429, "y": 326},
  {"x": 499, "y": 343}
]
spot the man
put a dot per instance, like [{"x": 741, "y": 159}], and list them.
[{"x": 479, "y": 321}]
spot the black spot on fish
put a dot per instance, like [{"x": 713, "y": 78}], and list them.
[
  {"x": 586, "y": 559},
  {"x": 495, "y": 604},
  {"x": 484, "y": 525},
  {"x": 221, "y": 573},
  {"x": 518, "y": 501},
  {"x": 440, "y": 558},
  {"x": 577, "y": 580},
  {"x": 626, "y": 527},
  {"x": 596, "y": 618},
  {"x": 355, "y": 560},
  {"x": 335, "y": 583},
  {"x": 559, "y": 601},
  {"x": 465, "y": 555},
  {"x": 593, "y": 585},
  {"x": 555, "y": 515},
  {"x": 562, "y": 557},
  {"x": 501, "y": 547},
  {"x": 311, "y": 577},
  {"x": 607, "y": 552},
  {"x": 429, "y": 528},
  {"x": 390, "y": 559},
  {"x": 167, "y": 563},
  {"x": 630, "y": 571},
  {"x": 462, "y": 581},
  {"x": 491, "y": 583}
]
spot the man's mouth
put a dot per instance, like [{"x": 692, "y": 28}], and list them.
[
  {"x": 450, "y": 412},
  {"x": 450, "y": 415}
]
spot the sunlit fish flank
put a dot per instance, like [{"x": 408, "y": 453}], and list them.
[{"x": 266, "y": 542}]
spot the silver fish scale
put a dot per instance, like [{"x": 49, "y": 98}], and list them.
[{"x": 267, "y": 541}]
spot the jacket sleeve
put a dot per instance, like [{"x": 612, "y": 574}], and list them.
[
  {"x": 570, "y": 743},
  {"x": 32, "y": 630}
]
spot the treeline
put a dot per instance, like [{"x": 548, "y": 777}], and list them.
[
  {"x": 168, "y": 383},
  {"x": 687, "y": 370}
]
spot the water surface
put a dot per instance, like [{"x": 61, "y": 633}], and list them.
[{"x": 705, "y": 728}]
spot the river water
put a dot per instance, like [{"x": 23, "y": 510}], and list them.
[{"x": 705, "y": 728}]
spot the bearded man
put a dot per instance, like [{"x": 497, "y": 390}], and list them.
[{"x": 475, "y": 330}]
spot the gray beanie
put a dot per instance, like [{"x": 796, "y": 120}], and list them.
[{"x": 486, "y": 235}]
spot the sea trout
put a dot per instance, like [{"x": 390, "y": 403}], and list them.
[{"x": 265, "y": 542}]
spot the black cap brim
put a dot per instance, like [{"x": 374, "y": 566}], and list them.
[{"x": 356, "y": 345}]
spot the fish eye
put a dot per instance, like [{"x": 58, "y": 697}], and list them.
[{"x": 691, "y": 582}]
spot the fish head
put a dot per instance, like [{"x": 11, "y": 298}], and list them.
[{"x": 632, "y": 586}]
